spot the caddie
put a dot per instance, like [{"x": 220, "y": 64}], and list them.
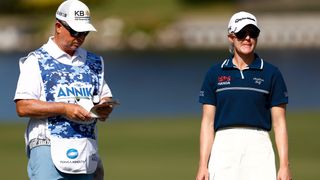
[{"x": 58, "y": 85}]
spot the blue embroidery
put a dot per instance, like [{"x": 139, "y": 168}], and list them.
[{"x": 64, "y": 82}]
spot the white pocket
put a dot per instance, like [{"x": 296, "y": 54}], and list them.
[{"x": 74, "y": 156}]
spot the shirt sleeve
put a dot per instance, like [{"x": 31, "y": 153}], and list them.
[
  {"x": 106, "y": 92},
  {"x": 207, "y": 92},
  {"x": 29, "y": 82},
  {"x": 279, "y": 93}
]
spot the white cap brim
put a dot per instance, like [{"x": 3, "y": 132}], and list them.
[
  {"x": 244, "y": 24},
  {"x": 81, "y": 27}
]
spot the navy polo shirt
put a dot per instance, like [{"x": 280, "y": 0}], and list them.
[{"x": 243, "y": 97}]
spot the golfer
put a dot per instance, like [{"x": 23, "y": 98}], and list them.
[
  {"x": 243, "y": 98},
  {"x": 58, "y": 85}
]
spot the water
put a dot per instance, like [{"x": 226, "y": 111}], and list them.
[{"x": 161, "y": 83}]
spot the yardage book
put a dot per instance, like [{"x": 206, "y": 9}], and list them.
[{"x": 102, "y": 107}]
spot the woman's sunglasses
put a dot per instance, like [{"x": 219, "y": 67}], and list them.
[
  {"x": 252, "y": 32},
  {"x": 72, "y": 32}
]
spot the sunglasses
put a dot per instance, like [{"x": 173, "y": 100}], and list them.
[
  {"x": 253, "y": 33},
  {"x": 72, "y": 32}
]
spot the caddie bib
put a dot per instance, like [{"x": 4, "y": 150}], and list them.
[{"x": 73, "y": 143}]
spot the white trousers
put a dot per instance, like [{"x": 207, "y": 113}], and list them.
[{"x": 242, "y": 154}]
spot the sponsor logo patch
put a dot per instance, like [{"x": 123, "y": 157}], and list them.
[
  {"x": 61, "y": 14},
  {"x": 201, "y": 93},
  {"x": 240, "y": 19},
  {"x": 258, "y": 80},
  {"x": 72, "y": 153},
  {"x": 81, "y": 15},
  {"x": 224, "y": 80}
]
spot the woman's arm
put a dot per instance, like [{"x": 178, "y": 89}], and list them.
[
  {"x": 278, "y": 114},
  {"x": 206, "y": 140}
]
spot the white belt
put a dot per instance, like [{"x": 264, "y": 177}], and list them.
[{"x": 39, "y": 142}]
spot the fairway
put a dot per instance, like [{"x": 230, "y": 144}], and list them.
[{"x": 162, "y": 148}]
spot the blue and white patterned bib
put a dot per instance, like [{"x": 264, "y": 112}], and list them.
[{"x": 67, "y": 83}]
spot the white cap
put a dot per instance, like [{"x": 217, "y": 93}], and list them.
[
  {"x": 240, "y": 20},
  {"x": 76, "y": 14}
]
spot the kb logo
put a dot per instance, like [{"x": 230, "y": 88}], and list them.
[{"x": 79, "y": 13}]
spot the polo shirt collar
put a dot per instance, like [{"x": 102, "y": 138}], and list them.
[
  {"x": 256, "y": 64},
  {"x": 53, "y": 49}
]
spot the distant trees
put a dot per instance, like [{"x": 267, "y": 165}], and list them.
[
  {"x": 33, "y": 6},
  {"x": 200, "y": 2},
  {"x": 8, "y": 6}
]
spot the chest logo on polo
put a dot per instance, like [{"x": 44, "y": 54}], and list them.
[
  {"x": 80, "y": 90},
  {"x": 224, "y": 80},
  {"x": 258, "y": 80}
]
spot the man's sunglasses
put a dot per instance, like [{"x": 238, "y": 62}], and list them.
[
  {"x": 72, "y": 32},
  {"x": 252, "y": 32}
]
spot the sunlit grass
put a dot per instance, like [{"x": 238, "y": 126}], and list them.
[{"x": 162, "y": 148}]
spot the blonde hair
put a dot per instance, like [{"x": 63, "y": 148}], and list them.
[{"x": 231, "y": 48}]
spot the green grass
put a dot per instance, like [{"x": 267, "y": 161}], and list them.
[
  {"x": 304, "y": 145},
  {"x": 150, "y": 149},
  {"x": 12, "y": 152},
  {"x": 162, "y": 149}
]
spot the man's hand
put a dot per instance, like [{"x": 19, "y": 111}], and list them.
[
  {"x": 104, "y": 108},
  {"x": 76, "y": 112},
  {"x": 104, "y": 112}
]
